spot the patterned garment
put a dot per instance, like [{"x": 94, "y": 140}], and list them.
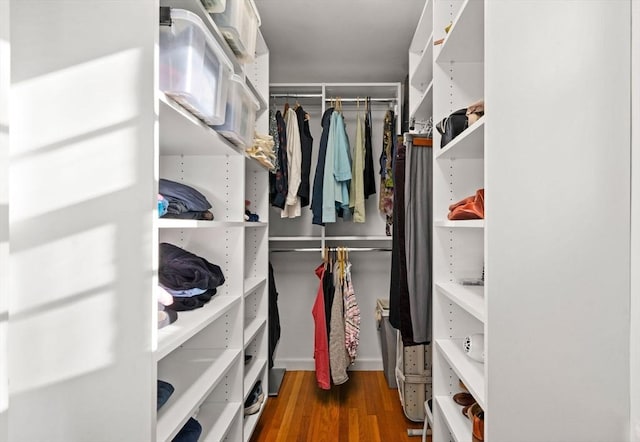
[
  {"x": 386, "y": 171},
  {"x": 273, "y": 131},
  {"x": 351, "y": 315}
]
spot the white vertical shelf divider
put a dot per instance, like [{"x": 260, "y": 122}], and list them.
[{"x": 5, "y": 65}]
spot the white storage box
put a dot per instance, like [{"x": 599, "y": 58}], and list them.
[
  {"x": 213, "y": 6},
  {"x": 194, "y": 70},
  {"x": 413, "y": 376},
  {"x": 241, "y": 111},
  {"x": 239, "y": 24}
]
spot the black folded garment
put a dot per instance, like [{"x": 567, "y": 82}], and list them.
[{"x": 183, "y": 270}]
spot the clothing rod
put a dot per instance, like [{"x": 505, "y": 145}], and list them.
[
  {"x": 362, "y": 99},
  {"x": 296, "y": 95},
  {"x": 320, "y": 249}
]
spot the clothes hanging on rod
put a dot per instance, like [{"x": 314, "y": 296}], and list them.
[
  {"x": 356, "y": 194},
  {"x": 418, "y": 240},
  {"x": 337, "y": 319},
  {"x": 399, "y": 307},
  {"x": 306, "y": 147},
  {"x": 337, "y": 170},
  {"x": 289, "y": 186},
  {"x": 410, "y": 291},
  {"x": 317, "y": 195},
  {"x": 294, "y": 157},
  {"x": 274, "y": 316},
  {"x": 369, "y": 172}
]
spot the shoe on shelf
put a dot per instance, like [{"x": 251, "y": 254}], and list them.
[
  {"x": 463, "y": 399},
  {"x": 254, "y": 400}
]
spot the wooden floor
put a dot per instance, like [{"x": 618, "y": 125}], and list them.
[{"x": 363, "y": 409}]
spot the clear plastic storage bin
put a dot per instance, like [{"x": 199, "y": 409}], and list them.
[
  {"x": 213, "y": 6},
  {"x": 239, "y": 24},
  {"x": 194, "y": 70},
  {"x": 241, "y": 111}
]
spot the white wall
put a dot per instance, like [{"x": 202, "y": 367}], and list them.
[
  {"x": 4, "y": 210},
  {"x": 82, "y": 199},
  {"x": 558, "y": 178},
  {"x": 635, "y": 224}
]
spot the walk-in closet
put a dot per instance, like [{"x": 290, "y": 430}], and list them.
[{"x": 266, "y": 220}]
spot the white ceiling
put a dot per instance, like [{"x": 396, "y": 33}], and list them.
[{"x": 315, "y": 41}]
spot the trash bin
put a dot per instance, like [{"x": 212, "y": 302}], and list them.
[{"x": 388, "y": 341}]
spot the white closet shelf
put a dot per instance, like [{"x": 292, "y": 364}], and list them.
[
  {"x": 460, "y": 224},
  {"x": 423, "y": 29},
  {"x": 469, "y": 371},
  {"x": 469, "y": 298},
  {"x": 175, "y": 121},
  {"x": 252, "y": 375},
  {"x": 423, "y": 73},
  {"x": 252, "y": 328},
  {"x": 468, "y": 145},
  {"x": 255, "y": 225},
  {"x": 459, "y": 426},
  {"x": 424, "y": 107},
  {"x": 169, "y": 223},
  {"x": 251, "y": 421},
  {"x": 465, "y": 40},
  {"x": 294, "y": 238},
  {"x": 194, "y": 374},
  {"x": 250, "y": 284},
  {"x": 189, "y": 323},
  {"x": 255, "y": 166},
  {"x": 216, "y": 419}
]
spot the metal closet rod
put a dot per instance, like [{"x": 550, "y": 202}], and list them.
[
  {"x": 351, "y": 100},
  {"x": 320, "y": 249}
]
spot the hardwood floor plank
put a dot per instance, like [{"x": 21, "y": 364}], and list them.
[{"x": 364, "y": 409}]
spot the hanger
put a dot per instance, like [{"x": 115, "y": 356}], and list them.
[{"x": 286, "y": 104}]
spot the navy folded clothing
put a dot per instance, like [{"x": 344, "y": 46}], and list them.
[
  {"x": 182, "y": 198},
  {"x": 190, "y": 432},
  {"x": 180, "y": 269},
  {"x": 165, "y": 390}
]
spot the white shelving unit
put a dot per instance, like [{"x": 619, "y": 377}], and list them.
[
  {"x": 421, "y": 66},
  {"x": 533, "y": 275},
  {"x": 459, "y": 248},
  {"x": 233, "y": 325}
]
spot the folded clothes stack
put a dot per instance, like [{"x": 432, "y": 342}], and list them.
[{"x": 184, "y": 201}]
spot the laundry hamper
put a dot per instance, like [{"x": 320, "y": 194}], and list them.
[{"x": 413, "y": 376}]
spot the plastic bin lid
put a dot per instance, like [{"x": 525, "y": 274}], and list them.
[
  {"x": 183, "y": 14},
  {"x": 238, "y": 79},
  {"x": 255, "y": 11}
]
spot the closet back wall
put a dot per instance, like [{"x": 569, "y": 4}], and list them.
[{"x": 294, "y": 273}]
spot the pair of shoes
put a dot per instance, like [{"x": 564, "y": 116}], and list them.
[{"x": 255, "y": 399}]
